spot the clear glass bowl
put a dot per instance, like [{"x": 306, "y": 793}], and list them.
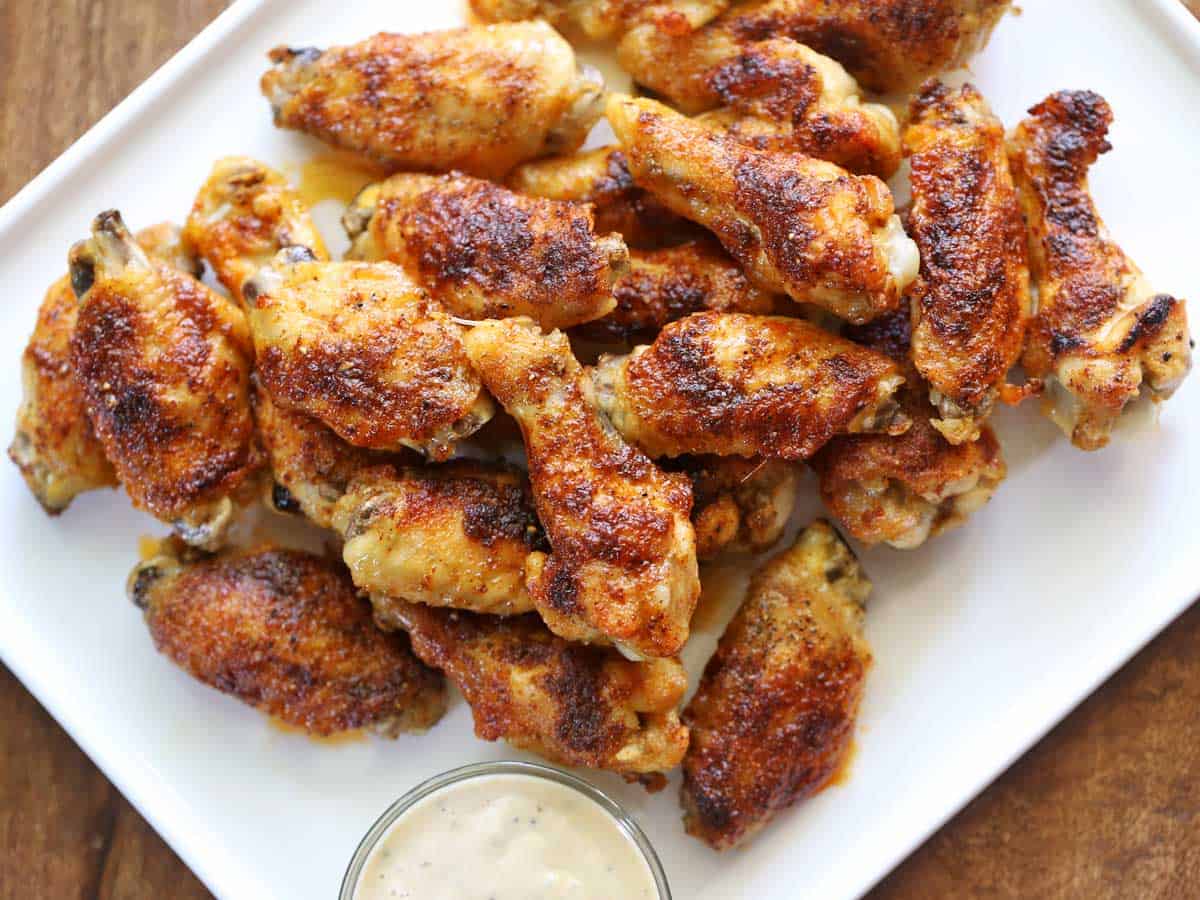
[{"x": 509, "y": 767}]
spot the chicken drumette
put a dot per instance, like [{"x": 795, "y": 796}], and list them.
[{"x": 602, "y": 19}]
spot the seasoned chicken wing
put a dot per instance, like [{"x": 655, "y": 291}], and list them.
[
  {"x": 360, "y": 347},
  {"x": 663, "y": 285},
  {"x": 454, "y": 535},
  {"x": 164, "y": 367},
  {"x": 888, "y": 45},
  {"x": 485, "y": 252},
  {"x": 797, "y": 225},
  {"x": 601, "y": 178},
  {"x": 244, "y": 214},
  {"x": 782, "y": 95},
  {"x": 602, "y": 19},
  {"x": 1101, "y": 333},
  {"x": 479, "y": 99},
  {"x": 904, "y": 489},
  {"x": 970, "y": 304},
  {"x": 574, "y": 704},
  {"x": 774, "y": 714},
  {"x": 55, "y": 447},
  {"x": 284, "y": 632},
  {"x": 737, "y": 385},
  {"x": 623, "y": 560},
  {"x": 741, "y": 505}
]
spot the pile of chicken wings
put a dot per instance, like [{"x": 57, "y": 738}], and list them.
[{"x": 759, "y": 304}]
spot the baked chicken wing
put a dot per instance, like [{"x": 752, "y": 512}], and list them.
[
  {"x": 363, "y": 349},
  {"x": 164, "y": 367},
  {"x": 485, "y": 252},
  {"x": 623, "y": 559},
  {"x": 480, "y": 100},
  {"x": 888, "y": 45},
  {"x": 1100, "y": 333},
  {"x": 454, "y": 535},
  {"x": 55, "y": 446},
  {"x": 574, "y": 704},
  {"x": 970, "y": 304},
  {"x": 774, "y": 714},
  {"x": 737, "y": 385},
  {"x": 284, "y": 632},
  {"x": 906, "y": 488},
  {"x": 244, "y": 214},
  {"x": 602, "y": 19},
  {"x": 797, "y": 225}
]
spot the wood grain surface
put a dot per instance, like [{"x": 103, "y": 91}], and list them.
[{"x": 1106, "y": 806}]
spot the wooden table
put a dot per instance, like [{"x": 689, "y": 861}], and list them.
[{"x": 1108, "y": 805}]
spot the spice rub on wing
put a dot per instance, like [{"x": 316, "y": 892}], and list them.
[{"x": 600, "y": 20}]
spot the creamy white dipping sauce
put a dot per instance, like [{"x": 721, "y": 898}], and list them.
[{"x": 505, "y": 837}]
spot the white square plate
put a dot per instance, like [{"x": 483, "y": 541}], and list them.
[{"x": 983, "y": 639}]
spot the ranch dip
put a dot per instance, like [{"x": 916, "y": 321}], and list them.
[{"x": 505, "y": 837}]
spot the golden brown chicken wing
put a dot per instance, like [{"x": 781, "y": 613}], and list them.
[
  {"x": 888, "y": 45},
  {"x": 971, "y": 300},
  {"x": 454, "y": 535},
  {"x": 797, "y": 225},
  {"x": 623, "y": 563},
  {"x": 736, "y": 385},
  {"x": 284, "y": 632},
  {"x": 1101, "y": 333},
  {"x": 602, "y": 19},
  {"x": 55, "y": 447},
  {"x": 774, "y": 714},
  {"x": 485, "y": 252},
  {"x": 601, "y": 178},
  {"x": 904, "y": 489},
  {"x": 360, "y": 347},
  {"x": 164, "y": 367},
  {"x": 244, "y": 214},
  {"x": 479, "y": 99},
  {"x": 574, "y": 704},
  {"x": 663, "y": 285}
]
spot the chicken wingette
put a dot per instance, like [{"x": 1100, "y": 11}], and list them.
[
  {"x": 55, "y": 446},
  {"x": 775, "y": 711},
  {"x": 362, "y": 348},
  {"x": 576, "y": 705},
  {"x": 164, "y": 367},
  {"x": 888, "y": 45},
  {"x": 737, "y": 385},
  {"x": 479, "y": 100},
  {"x": 622, "y": 566},
  {"x": 1101, "y": 333},
  {"x": 284, "y": 632},
  {"x": 797, "y": 225},
  {"x": 602, "y": 19},
  {"x": 455, "y": 535},
  {"x": 485, "y": 252},
  {"x": 903, "y": 489},
  {"x": 245, "y": 213},
  {"x": 970, "y": 304}
]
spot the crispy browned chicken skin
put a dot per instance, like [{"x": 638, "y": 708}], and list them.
[
  {"x": 1101, "y": 333},
  {"x": 574, "y": 704},
  {"x": 623, "y": 563},
  {"x": 775, "y": 711},
  {"x": 283, "y": 631},
  {"x": 164, "y": 366},
  {"x": 244, "y": 214},
  {"x": 737, "y": 385},
  {"x": 55, "y": 447},
  {"x": 601, "y": 178},
  {"x": 888, "y": 45},
  {"x": 479, "y": 99},
  {"x": 362, "y": 348},
  {"x": 454, "y": 535},
  {"x": 485, "y": 252},
  {"x": 971, "y": 300},
  {"x": 602, "y": 19},
  {"x": 797, "y": 225},
  {"x": 906, "y": 488}
]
